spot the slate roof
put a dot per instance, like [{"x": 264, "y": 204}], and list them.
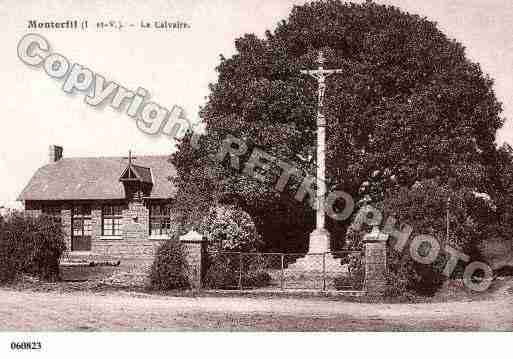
[
  {"x": 141, "y": 173},
  {"x": 97, "y": 178}
]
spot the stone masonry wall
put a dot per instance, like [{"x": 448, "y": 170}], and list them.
[
  {"x": 125, "y": 249},
  {"x": 134, "y": 249},
  {"x": 134, "y": 243},
  {"x": 136, "y": 222},
  {"x": 66, "y": 225},
  {"x": 375, "y": 263}
]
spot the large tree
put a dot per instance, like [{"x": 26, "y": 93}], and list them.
[{"x": 408, "y": 103}]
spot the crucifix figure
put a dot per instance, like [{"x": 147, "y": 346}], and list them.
[{"x": 319, "y": 239}]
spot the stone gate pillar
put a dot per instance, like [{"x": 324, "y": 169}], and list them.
[
  {"x": 195, "y": 247},
  {"x": 375, "y": 244}
]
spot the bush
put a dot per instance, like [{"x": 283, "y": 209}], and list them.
[
  {"x": 169, "y": 269},
  {"x": 356, "y": 276},
  {"x": 423, "y": 206},
  {"x": 230, "y": 228},
  {"x": 224, "y": 271},
  {"x": 30, "y": 245},
  {"x": 257, "y": 279}
]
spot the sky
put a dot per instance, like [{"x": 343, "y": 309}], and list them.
[{"x": 174, "y": 66}]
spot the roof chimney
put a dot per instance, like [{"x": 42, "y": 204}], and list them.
[{"x": 55, "y": 153}]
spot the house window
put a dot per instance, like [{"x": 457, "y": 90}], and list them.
[
  {"x": 54, "y": 212},
  {"x": 111, "y": 220},
  {"x": 81, "y": 220},
  {"x": 160, "y": 219}
]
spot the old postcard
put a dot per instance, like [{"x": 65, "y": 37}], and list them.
[{"x": 254, "y": 166}]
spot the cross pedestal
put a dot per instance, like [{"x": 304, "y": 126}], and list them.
[
  {"x": 319, "y": 241},
  {"x": 318, "y": 252}
]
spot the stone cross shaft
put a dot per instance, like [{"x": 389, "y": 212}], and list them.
[{"x": 321, "y": 240}]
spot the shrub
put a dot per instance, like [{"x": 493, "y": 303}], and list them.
[
  {"x": 356, "y": 275},
  {"x": 30, "y": 245},
  {"x": 11, "y": 265},
  {"x": 169, "y": 269},
  {"x": 46, "y": 248},
  {"x": 344, "y": 282},
  {"x": 224, "y": 271},
  {"x": 423, "y": 206},
  {"x": 257, "y": 279},
  {"x": 230, "y": 228}
]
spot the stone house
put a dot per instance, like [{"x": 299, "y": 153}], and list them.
[{"x": 109, "y": 207}]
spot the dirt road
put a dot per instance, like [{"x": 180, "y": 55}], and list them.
[{"x": 129, "y": 311}]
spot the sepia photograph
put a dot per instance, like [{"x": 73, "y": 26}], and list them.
[{"x": 206, "y": 167}]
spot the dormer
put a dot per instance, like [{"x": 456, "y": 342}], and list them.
[{"x": 137, "y": 180}]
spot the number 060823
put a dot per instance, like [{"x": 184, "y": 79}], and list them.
[{"x": 26, "y": 345}]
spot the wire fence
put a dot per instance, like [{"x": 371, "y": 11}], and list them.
[{"x": 341, "y": 270}]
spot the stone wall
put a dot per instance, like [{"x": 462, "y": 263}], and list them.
[
  {"x": 375, "y": 263},
  {"x": 136, "y": 222},
  {"x": 66, "y": 225},
  {"x": 125, "y": 249},
  {"x": 134, "y": 242},
  {"x": 135, "y": 262},
  {"x": 195, "y": 248},
  {"x": 134, "y": 249}
]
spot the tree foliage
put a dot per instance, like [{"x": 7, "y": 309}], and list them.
[{"x": 409, "y": 102}]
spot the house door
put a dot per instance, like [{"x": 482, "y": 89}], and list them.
[{"x": 81, "y": 224}]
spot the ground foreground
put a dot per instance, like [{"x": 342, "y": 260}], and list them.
[{"x": 26, "y": 310}]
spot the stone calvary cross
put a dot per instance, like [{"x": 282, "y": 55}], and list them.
[{"x": 319, "y": 238}]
